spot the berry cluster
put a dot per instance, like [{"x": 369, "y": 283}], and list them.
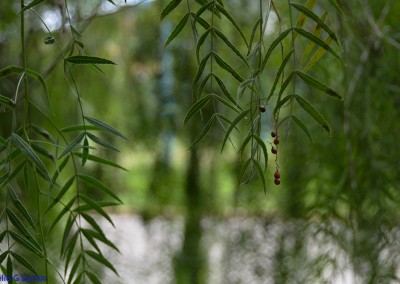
[{"x": 274, "y": 150}]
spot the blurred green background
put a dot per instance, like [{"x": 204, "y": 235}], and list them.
[{"x": 339, "y": 196}]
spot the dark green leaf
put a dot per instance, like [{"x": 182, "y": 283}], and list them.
[
  {"x": 314, "y": 17},
  {"x": 25, "y": 243},
  {"x": 201, "y": 41},
  {"x": 225, "y": 91},
  {"x": 79, "y": 128},
  {"x": 93, "y": 277},
  {"x": 170, "y": 7},
  {"x": 7, "y": 102},
  {"x": 235, "y": 121},
  {"x": 204, "y": 132},
  {"x": 85, "y": 207},
  {"x": 70, "y": 249},
  {"x": 317, "y": 41},
  {"x": 281, "y": 37},
  {"x": 205, "y": 5},
  {"x": 85, "y": 151},
  {"x": 226, "y": 103},
  {"x": 314, "y": 113},
  {"x": 20, "y": 207},
  {"x": 253, "y": 33},
  {"x": 100, "y": 259},
  {"x": 335, "y": 4},
  {"x": 80, "y": 59},
  {"x": 260, "y": 173},
  {"x": 201, "y": 21},
  {"x": 101, "y": 142},
  {"x": 229, "y": 17},
  {"x": 89, "y": 237},
  {"x": 178, "y": 29},
  {"x": 105, "y": 127},
  {"x": 302, "y": 126},
  {"x": 230, "y": 45},
  {"x": 264, "y": 149},
  {"x": 63, "y": 190},
  {"x": 312, "y": 82},
  {"x": 280, "y": 104},
  {"x": 24, "y": 263},
  {"x": 3, "y": 256},
  {"x": 9, "y": 266},
  {"x": 196, "y": 107},
  {"x": 96, "y": 183},
  {"x": 20, "y": 226},
  {"x": 62, "y": 212},
  {"x": 92, "y": 222},
  {"x": 278, "y": 74},
  {"x": 243, "y": 169},
  {"x": 74, "y": 268},
  {"x": 223, "y": 64},
  {"x": 90, "y": 202},
  {"x": 2, "y": 235},
  {"x": 202, "y": 65},
  {"x": 101, "y": 161},
  {"x": 67, "y": 231},
  {"x": 72, "y": 145},
  {"x": 31, "y": 155},
  {"x": 14, "y": 173}
]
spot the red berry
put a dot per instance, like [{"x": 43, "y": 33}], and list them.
[
  {"x": 274, "y": 150},
  {"x": 277, "y": 175},
  {"x": 277, "y": 181},
  {"x": 261, "y": 108},
  {"x": 273, "y": 134},
  {"x": 276, "y": 141}
]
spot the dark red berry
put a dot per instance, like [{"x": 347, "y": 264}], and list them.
[
  {"x": 277, "y": 175},
  {"x": 274, "y": 150},
  {"x": 277, "y": 181},
  {"x": 276, "y": 141},
  {"x": 273, "y": 134},
  {"x": 262, "y": 108}
]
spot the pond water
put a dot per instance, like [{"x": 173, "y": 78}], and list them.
[{"x": 238, "y": 250}]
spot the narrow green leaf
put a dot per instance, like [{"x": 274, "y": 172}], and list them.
[
  {"x": 101, "y": 161},
  {"x": 36, "y": 76},
  {"x": 243, "y": 169},
  {"x": 203, "y": 83},
  {"x": 264, "y": 149},
  {"x": 210, "y": 122},
  {"x": 40, "y": 150},
  {"x": 315, "y": 18},
  {"x": 317, "y": 56},
  {"x": 30, "y": 5},
  {"x": 31, "y": 155},
  {"x": 300, "y": 21},
  {"x": 177, "y": 29},
  {"x": 59, "y": 170},
  {"x": 312, "y": 82},
  {"x": 281, "y": 37},
  {"x": 92, "y": 222},
  {"x": 200, "y": 42},
  {"x": 20, "y": 207},
  {"x": 100, "y": 259},
  {"x": 335, "y": 4},
  {"x": 90, "y": 202},
  {"x": 14, "y": 173},
  {"x": 72, "y": 145},
  {"x": 226, "y": 103},
  {"x": 43, "y": 132},
  {"x": 67, "y": 231},
  {"x": 85, "y": 207},
  {"x": 317, "y": 41},
  {"x": 101, "y": 142},
  {"x": 253, "y": 34},
  {"x": 302, "y": 126},
  {"x": 225, "y": 91},
  {"x": 230, "y": 45},
  {"x": 89, "y": 237},
  {"x": 281, "y": 103},
  {"x": 3, "y": 256},
  {"x": 90, "y": 234},
  {"x": 25, "y": 243},
  {"x": 80, "y": 59},
  {"x": 93, "y": 277},
  {"x": 235, "y": 121},
  {"x": 2, "y": 235},
  {"x": 196, "y": 107},
  {"x": 24, "y": 263},
  {"x": 70, "y": 249},
  {"x": 9, "y": 266},
  {"x": 105, "y": 127},
  {"x": 278, "y": 74},
  {"x": 96, "y": 183},
  {"x": 78, "y": 278},
  {"x": 202, "y": 65},
  {"x": 169, "y": 8},
  {"x": 74, "y": 268},
  {"x": 85, "y": 151},
  {"x": 314, "y": 113},
  {"x": 244, "y": 144},
  {"x": 63, "y": 190},
  {"x": 79, "y": 128},
  {"x": 206, "y": 5},
  {"x": 229, "y": 17},
  {"x": 201, "y": 21},
  {"x": 62, "y": 213},
  {"x": 260, "y": 173},
  {"x": 20, "y": 226},
  {"x": 224, "y": 65}
]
